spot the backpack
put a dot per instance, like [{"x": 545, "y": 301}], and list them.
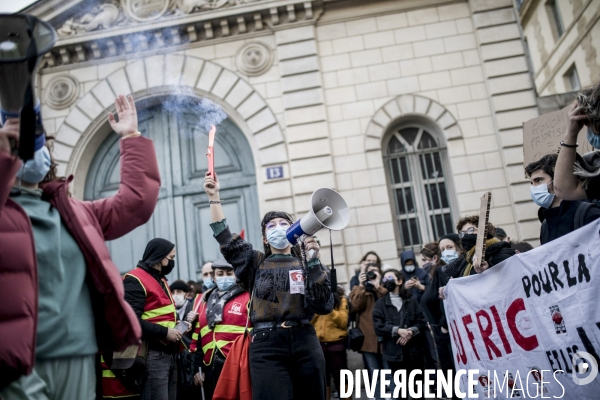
[{"x": 582, "y": 210}]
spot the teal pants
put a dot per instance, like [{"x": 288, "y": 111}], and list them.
[{"x": 56, "y": 379}]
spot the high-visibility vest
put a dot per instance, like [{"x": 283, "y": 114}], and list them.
[
  {"x": 235, "y": 315},
  {"x": 159, "y": 307},
  {"x": 112, "y": 388}
]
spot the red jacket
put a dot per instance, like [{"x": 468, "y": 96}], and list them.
[{"x": 91, "y": 223}]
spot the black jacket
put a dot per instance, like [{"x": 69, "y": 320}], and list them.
[
  {"x": 561, "y": 220},
  {"x": 386, "y": 317},
  {"x": 418, "y": 272},
  {"x": 432, "y": 305},
  {"x": 136, "y": 297},
  {"x": 498, "y": 252}
]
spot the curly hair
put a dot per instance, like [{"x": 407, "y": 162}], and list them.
[
  {"x": 474, "y": 220},
  {"x": 589, "y": 99},
  {"x": 546, "y": 163}
]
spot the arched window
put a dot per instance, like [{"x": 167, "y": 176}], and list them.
[{"x": 417, "y": 178}]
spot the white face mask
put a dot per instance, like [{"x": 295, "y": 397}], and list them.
[
  {"x": 276, "y": 237},
  {"x": 179, "y": 299},
  {"x": 409, "y": 268}
]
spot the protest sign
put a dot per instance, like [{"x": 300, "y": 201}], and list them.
[
  {"x": 524, "y": 320},
  {"x": 542, "y": 135}
]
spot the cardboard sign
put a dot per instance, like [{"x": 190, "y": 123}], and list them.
[
  {"x": 542, "y": 135},
  {"x": 535, "y": 313}
]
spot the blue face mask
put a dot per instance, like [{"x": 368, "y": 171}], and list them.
[
  {"x": 208, "y": 283},
  {"x": 276, "y": 238},
  {"x": 541, "y": 196},
  {"x": 36, "y": 169},
  {"x": 449, "y": 255},
  {"x": 225, "y": 282},
  {"x": 593, "y": 138}
]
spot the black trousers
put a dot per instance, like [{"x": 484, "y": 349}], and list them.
[
  {"x": 335, "y": 361},
  {"x": 212, "y": 372},
  {"x": 287, "y": 364},
  {"x": 444, "y": 349},
  {"x": 407, "y": 364}
]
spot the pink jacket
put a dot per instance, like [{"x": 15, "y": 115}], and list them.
[{"x": 91, "y": 223}]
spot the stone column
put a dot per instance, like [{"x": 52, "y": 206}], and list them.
[
  {"x": 512, "y": 99},
  {"x": 306, "y": 129}
]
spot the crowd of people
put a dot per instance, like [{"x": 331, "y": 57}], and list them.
[{"x": 74, "y": 319}]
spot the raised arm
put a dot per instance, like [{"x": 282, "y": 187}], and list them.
[
  {"x": 136, "y": 199},
  {"x": 9, "y": 164},
  {"x": 235, "y": 250},
  {"x": 212, "y": 187},
  {"x": 566, "y": 185}
]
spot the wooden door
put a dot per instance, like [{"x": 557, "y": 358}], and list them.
[{"x": 182, "y": 214}]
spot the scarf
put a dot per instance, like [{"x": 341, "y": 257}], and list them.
[
  {"x": 471, "y": 254},
  {"x": 216, "y": 302}
]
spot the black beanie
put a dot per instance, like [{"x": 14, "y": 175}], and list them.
[
  {"x": 156, "y": 250},
  {"x": 180, "y": 285},
  {"x": 451, "y": 236}
]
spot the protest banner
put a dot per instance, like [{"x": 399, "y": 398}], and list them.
[
  {"x": 525, "y": 319},
  {"x": 542, "y": 135}
]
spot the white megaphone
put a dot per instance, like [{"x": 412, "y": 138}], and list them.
[{"x": 328, "y": 210}]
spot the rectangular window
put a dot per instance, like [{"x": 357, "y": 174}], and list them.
[
  {"x": 555, "y": 18},
  {"x": 572, "y": 79}
]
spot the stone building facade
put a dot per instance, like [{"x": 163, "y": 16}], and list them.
[
  {"x": 563, "y": 37},
  {"x": 410, "y": 109}
]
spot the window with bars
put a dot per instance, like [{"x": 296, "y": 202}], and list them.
[{"x": 417, "y": 179}]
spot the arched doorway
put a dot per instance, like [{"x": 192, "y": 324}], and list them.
[{"x": 182, "y": 214}]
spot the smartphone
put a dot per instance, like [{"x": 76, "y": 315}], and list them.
[{"x": 181, "y": 327}]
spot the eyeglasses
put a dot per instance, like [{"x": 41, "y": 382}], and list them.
[
  {"x": 272, "y": 225},
  {"x": 469, "y": 231}
]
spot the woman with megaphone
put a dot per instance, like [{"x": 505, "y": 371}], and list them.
[{"x": 286, "y": 360}]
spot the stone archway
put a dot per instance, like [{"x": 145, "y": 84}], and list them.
[
  {"x": 170, "y": 74},
  {"x": 409, "y": 105}
]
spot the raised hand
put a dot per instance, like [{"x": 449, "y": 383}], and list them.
[
  {"x": 577, "y": 119},
  {"x": 8, "y": 132},
  {"x": 127, "y": 114},
  {"x": 211, "y": 187}
]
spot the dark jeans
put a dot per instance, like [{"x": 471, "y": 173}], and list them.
[
  {"x": 286, "y": 364},
  {"x": 372, "y": 362},
  {"x": 335, "y": 361},
  {"x": 211, "y": 374},
  {"x": 159, "y": 382}
]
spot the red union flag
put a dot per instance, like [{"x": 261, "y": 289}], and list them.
[{"x": 525, "y": 320}]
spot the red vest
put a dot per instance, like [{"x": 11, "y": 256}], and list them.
[
  {"x": 112, "y": 388},
  {"x": 159, "y": 308},
  {"x": 235, "y": 316}
]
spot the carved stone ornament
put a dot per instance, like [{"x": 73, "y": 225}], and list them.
[
  {"x": 146, "y": 10},
  {"x": 103, "y": 16},
  {"x": 111, "y": 13},
  {"x": 254, "y": 59},
  {"x": 62, "y": 91}
]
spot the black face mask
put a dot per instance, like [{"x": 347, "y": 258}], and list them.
[
  {"x": 166, "y": 270},
  {"x": 390, "y": 285},
  {"x": 468, "y": 241}
]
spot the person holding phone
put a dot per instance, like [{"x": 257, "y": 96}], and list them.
[{"x": 286, "y": 360}]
